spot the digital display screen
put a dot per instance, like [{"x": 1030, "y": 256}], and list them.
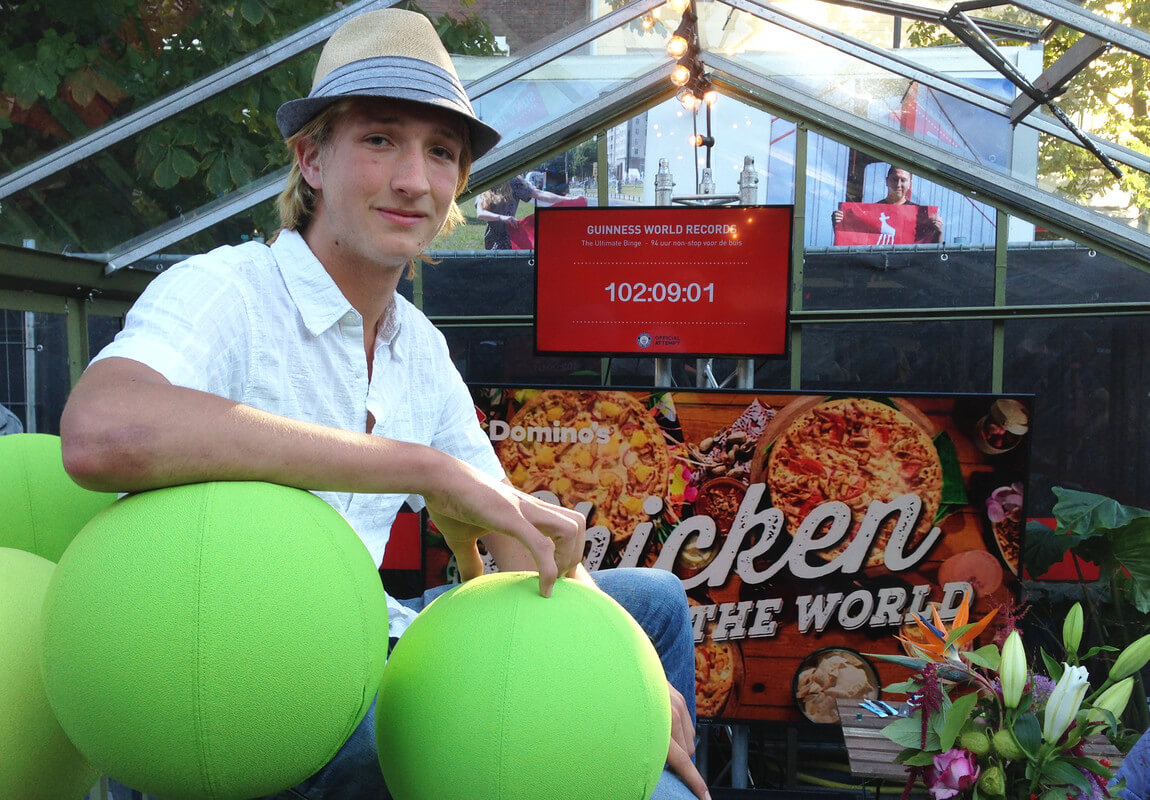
[{"x": 663, "y": 281}]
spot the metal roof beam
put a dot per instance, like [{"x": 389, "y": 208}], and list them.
[
  {"x": 1073, "y": 16},
  {"x": 1005, "y": 30},
  {"x": 168, "y": 106},
  {"x": 1016, "y": 197},
  {"x": 956, "y": 87},
  {"x": 552, "y": 49},
  {"x": 1052, "y": 82}
]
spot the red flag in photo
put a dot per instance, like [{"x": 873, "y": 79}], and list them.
[
  {"x": 523, "y": 235},
  {"x": 885, "y": 224}
]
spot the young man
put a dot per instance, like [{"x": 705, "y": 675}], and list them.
[
  {"x": 298, "y": 363},
  {"x": 898, "y": 186}
]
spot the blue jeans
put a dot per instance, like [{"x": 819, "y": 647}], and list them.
[{"x": 653, "y": 597}]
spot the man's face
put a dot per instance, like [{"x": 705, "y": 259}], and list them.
[
  {"x": 898, "y": 186},
  {"x": 386, "y": 180}
]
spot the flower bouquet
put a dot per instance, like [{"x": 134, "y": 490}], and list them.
[{"x": 985, "y": 726}]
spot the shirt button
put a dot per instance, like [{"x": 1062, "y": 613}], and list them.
[{"x": 349, "y": 318}]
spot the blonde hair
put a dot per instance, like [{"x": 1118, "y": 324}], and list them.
[
  {"x": 500, "y": 193},
  {"x": 296, "y": 203}
]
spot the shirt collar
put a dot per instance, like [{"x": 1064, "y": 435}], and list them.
[{"x": 315, "y": 294}]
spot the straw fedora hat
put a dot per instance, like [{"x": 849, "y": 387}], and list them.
[{"x": 389, "y": 53}]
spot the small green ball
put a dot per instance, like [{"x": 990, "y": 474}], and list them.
[
  {"x": 1005, "y": 746},
  {"x": 38, "y": 762},
  {"x": 41, "y": 508},
  {"x": 216, "y": 641},
  {"x": 497, "y": 692},
  {"x": 975, "y": 741},
  {"x": 992, "y": 782}
]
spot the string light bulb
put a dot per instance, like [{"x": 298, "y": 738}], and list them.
[
  {"x": 678, "y": 6},
  {"x": 689, "y": 101},
  {"x": 677, "y": 46},
  {"x": 648, "y": 21},
  {"x": 680, "y": 75}
]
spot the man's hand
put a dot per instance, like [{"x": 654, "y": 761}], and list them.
[
  {"x": 682, "y": 746},
  {"x": 936, "y": 221},
  {"x": 553, "y": 535},
  {"x": 836, "y": 217}
]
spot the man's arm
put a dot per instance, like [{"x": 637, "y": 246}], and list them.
[{"x": 126, "y": 428}]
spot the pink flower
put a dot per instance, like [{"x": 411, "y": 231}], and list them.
[{"x": 952, "y": 772}]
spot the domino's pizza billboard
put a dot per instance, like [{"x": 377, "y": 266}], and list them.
[{"x": 807, "y": 530}]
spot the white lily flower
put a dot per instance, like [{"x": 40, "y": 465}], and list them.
[{"x": 1064, "y": 702}]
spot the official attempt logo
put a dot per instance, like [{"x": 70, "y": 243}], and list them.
[{"x": 644, "y": 340}]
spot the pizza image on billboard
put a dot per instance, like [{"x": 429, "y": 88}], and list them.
[{"x": 806, "y": 530}]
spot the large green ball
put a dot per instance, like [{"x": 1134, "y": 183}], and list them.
[
  {"x": 38, "y": 761},
  {"x": 41, "y": 508},
  {"x": 217, "y": 640},
  {"x": 497, "y": 692}
]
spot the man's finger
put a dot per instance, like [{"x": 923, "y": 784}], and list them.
[
  {"x": 543, "y": 552},
  {"x": 682, "y": 730},
  {"x": 680, "y": 763}
]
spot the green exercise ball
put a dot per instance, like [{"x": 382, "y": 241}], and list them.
[
  {"x": 41, "y": 508},
  {"x": 215, "y": 640},
  {"x": 38, "y": 762},
  {"x": 497, "y": 692}
]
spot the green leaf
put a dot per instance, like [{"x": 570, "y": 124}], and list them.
[
  {"x": 1042, "y": 548},
  {"x": 1089, "y": 764},
  {"x": 1059, "y": 771},
  {"x": 1132, "y": 550},
  {"x": 917, "y": 759},
  {"x": 904, "y": 687},
  {"x": 907, "y": 732},
  {"x": 1089, "y": 514},
  {"x": 1053, "y": 668},
  {"x": 183, "y": 163},
  {"x": 252, "y": 11},
  {"x": 953, "y": 488},
  {"x": 165, "y": 176},
  {"x": 954, "y": 718},
  {"x": 1028, "y": 733},
  {"x": 986, "y": 656},
  {"x": 219, "y": 179}
]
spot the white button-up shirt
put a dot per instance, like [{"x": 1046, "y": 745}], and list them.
[{"x": 268, "y": 327}]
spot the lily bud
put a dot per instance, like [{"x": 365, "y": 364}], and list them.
[
  {"x": 1072, "y": 631},
  {"x": 1132, "y": 659},
  {"x": 1064, "y": 702},
  {"x": 1012, "y": 670},
  {"x": 1115, "y": 698}
]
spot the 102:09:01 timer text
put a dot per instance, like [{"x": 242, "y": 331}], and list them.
[{"x": 660, "y": 292}]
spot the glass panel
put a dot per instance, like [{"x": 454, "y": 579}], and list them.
[
  {"x": 1075, "y": 174},
  {"x": 479, "y": 283},
  {"x": 882, "y": 97},
  {"x": 1092, "y": 413},
  {"x": 82, "y": 66},
  {"x": 739, "y": 132},
  {"x": 157, "y": 175},
  {"x": 101, "y": 331},
  {"x": 877, "y": 29},
  {"x": 507, "y": 355},
  {"x": 12, "y": 377},
  {"x": 873, "y": 236},
  {"x": 34, "y": 380},
  {"x": 1063, "y": 272},
  {"x": 555, "y": 88},
  {"x": 898, "y": 357}
]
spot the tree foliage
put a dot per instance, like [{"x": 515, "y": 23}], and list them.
[
  {"x": 1108, "y": 98},
  {"x": 69, "y": 66}
]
